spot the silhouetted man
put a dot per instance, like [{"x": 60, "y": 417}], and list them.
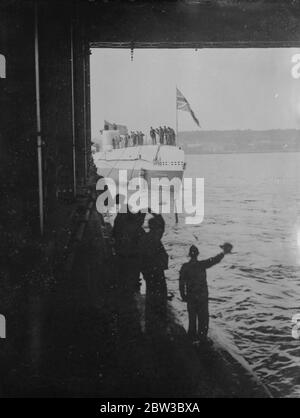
[
  {"x": 154, "y": 261},
  {"x": 127, "y": 232},
  {"x": 193, "y": 290}
]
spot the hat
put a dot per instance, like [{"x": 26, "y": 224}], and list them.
[
  {"x": 193, "y": 250},
  {"x": 227, "y": 247},
  {"x": 156, "y": 223}
]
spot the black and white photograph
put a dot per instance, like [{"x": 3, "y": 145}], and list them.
[{"x": 150, "y": 201}]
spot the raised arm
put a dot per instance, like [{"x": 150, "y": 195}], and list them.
[{"x": 212, "y": 261}]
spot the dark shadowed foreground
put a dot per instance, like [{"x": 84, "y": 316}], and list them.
[{"x": 86, "y": 338}]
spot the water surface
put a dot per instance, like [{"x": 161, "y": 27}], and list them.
[{"x": 251, "y": 200}]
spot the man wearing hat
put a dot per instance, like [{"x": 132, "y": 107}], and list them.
[{"x": 193, "y": 290}]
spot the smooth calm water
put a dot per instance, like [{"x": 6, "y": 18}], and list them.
[{"x": 252, "y": 201}]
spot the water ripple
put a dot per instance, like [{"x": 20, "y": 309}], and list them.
[{"x": 255, "y": 292}]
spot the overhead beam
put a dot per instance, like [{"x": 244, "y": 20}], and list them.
[{"x": 181, "y": 24}]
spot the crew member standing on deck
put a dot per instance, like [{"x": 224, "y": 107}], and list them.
[
  {"x": 132, "y": 139},
  {"x": 173, "y": 137},
  {"x": 165, "y": 135},
  {"x": 161, "y": 135},
  {"x": 193, "y": 290},
  {"x": 135, "y": 139},
  {"x": 142, "y": 138},
  {"x": 153, "y": 136}
]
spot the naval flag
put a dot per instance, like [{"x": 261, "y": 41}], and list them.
[{"x": 183, "y": 104}]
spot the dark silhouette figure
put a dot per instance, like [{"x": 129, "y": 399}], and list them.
[
  {"x": 193, "y": 290},
  {"x": 154, "y": 261},
  {"x": 127, "y": 232}
]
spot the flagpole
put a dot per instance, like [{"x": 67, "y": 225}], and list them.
[
  {"x": 176, "y": 123},
  {"x": 176, "y": 115},
  {"x": 176, "y": 139}
]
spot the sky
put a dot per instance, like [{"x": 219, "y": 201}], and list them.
[{"x": 226, "y": 88}]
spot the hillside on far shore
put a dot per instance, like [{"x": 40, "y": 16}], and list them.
[{"x": 240, "y": 141}]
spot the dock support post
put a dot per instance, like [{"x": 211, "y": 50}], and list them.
[{"x": 38, "y": 118}]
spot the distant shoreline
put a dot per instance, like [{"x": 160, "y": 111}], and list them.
[
  {"x": 240, "y": 142},
  {"x": 241, "y": 152}
]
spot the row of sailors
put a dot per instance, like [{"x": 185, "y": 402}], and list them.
[
  {"x": 164, "y": 136},
  {"x": 132, "y": 140}
]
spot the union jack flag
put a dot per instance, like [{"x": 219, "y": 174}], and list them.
[{"x": 183, "y": 104}]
